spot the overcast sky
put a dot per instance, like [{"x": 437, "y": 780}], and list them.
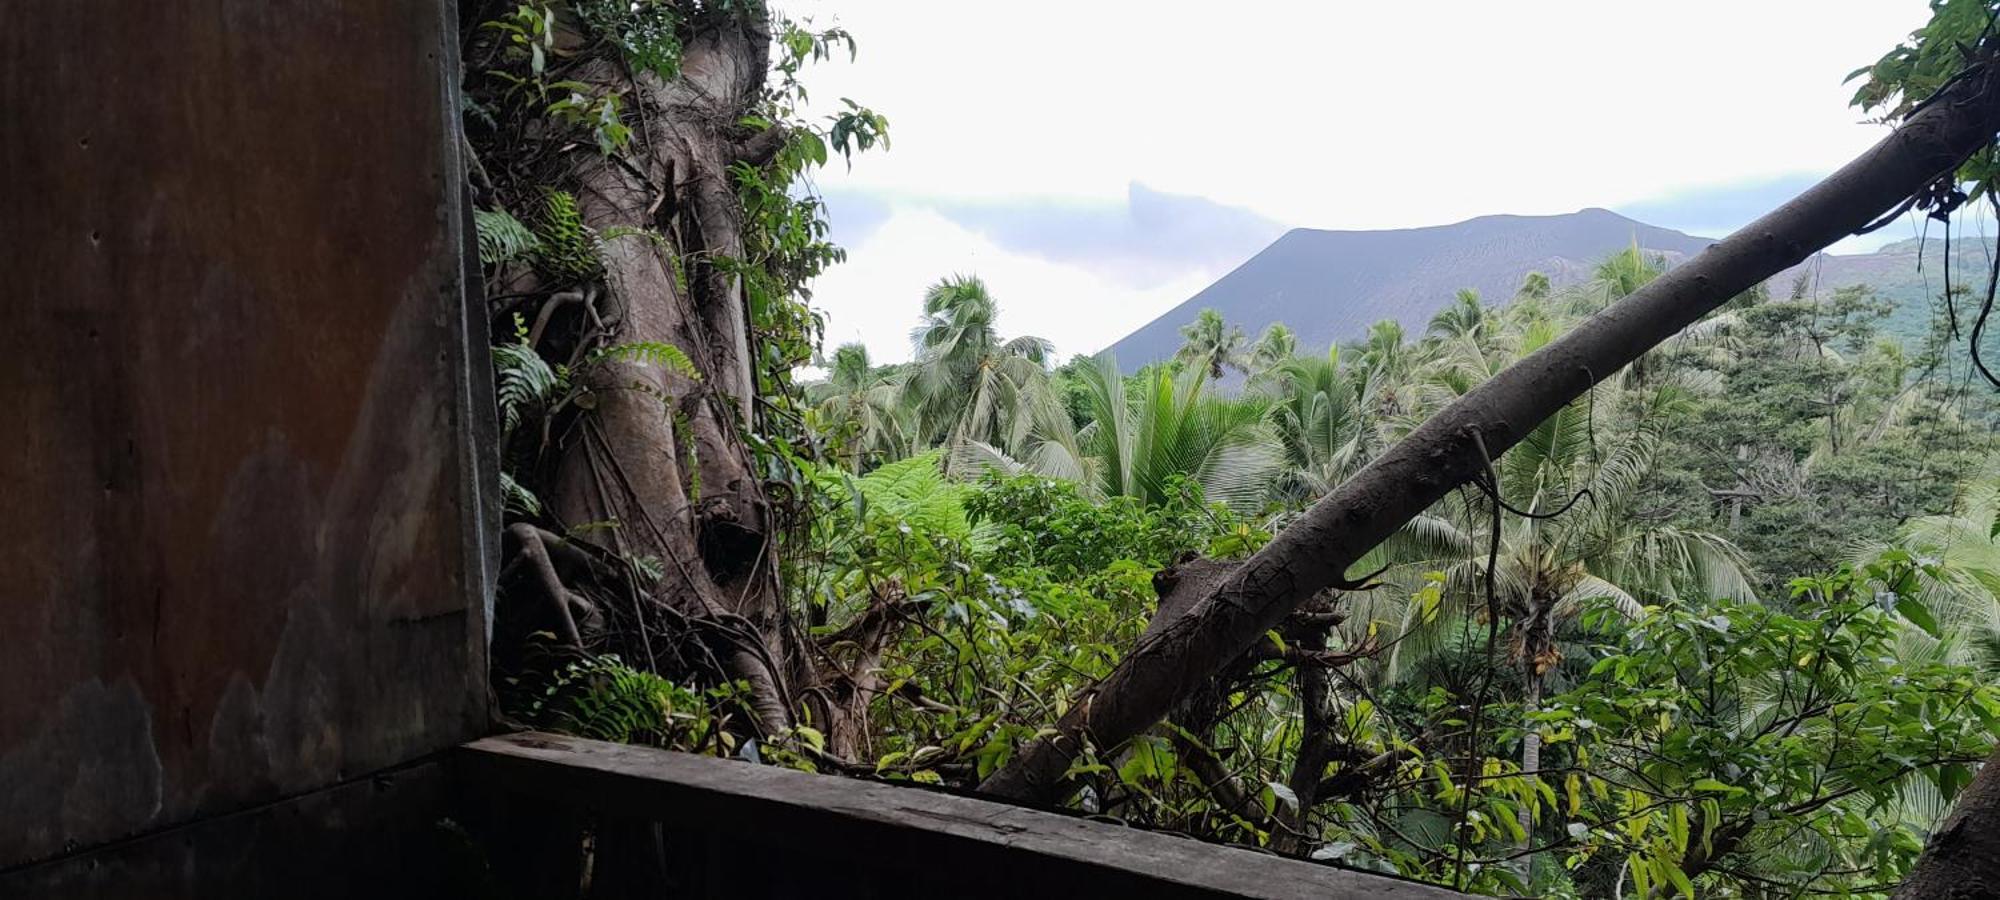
[{"x": 1097, "y": 162}]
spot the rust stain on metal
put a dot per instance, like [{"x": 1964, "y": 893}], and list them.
[{"x": 237, "y": 560}]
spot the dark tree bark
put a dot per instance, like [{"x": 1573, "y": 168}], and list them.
[
  {"x": 1172, "y": 663},
  {"x": 1962, "y": 861}
]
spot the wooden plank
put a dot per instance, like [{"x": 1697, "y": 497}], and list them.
[{"x": 927, "y": 840}]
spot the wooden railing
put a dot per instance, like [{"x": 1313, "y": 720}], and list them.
[{"x": 707, "y": 827}]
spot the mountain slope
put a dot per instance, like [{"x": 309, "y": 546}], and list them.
[
  {"x": 1330, "y": 286},
  {"x": 1911, "y": 287}
]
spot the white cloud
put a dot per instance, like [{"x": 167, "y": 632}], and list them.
[
  {"x": 877, "y": 295},
  {"x": 1331, "y": 114}
]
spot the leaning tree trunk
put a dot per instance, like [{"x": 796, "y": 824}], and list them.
[
  {"x": 1458, "y": 443},
  {"x": 1962, "y": 861}
]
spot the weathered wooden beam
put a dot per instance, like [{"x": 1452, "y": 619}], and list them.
[{"x": 864, "y": 838}]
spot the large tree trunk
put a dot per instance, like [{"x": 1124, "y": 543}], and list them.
[
  {"x": 1962, "y": 861},
  {"x": 660, "y": 453},
  {"x": 1448, "y": 450},
  {"x": 691, "y": 500}
]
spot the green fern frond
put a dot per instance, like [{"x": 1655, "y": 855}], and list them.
[
  {"x": 519, "y": 499},
  {"x": 649, "y": 235},
  {"x": 655, "y": 353},
  {"x": 502, "y": 238},
  {"x": 525, "y": 383},
  {"x": 602, "y": 698},
  {"x": 679, "y": 269},
  {"x": 567, "y": 246},
  {"x": 650, "y": 569},
  {"x": 916, "y": 491}
]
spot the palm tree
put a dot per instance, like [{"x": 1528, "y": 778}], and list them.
[
  {"x": 1319, "y": 415},
  {"x": 967, "y": 384},
  {"x": 1597, "y": 548},
  {"x": 1137, "y": 444},
  {"x": 1388, "y": 364},
  {"x": 1534, "y": 287},
  {"x": 1212, "y": 344},
  {"x": 1572, "y": 551},
  {"x": 1383, "y": 349},
  {"x": 1960, "y": 586},
  {"x": 1620, "y": 275},
  {"x": 1465, "y": 318},
  {"x": 859, "y": 409},
  {"x": 1461, "y": 348},
  {"x": 1275, "y": 346}
]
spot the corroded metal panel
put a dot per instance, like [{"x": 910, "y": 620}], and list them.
[
  {"x": 382, "y": 838},
  {"x": 243, "y": 554}
]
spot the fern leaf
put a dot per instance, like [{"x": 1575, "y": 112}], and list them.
[
  {"x": 502, "y": 238},
  {"x": 567, "y": 247},
  {"x": 518, "y": 499},
  {"x": 654, "y": 353},
  {"x": 524, "y": 383},
  {"x": 916, "y": 491}
]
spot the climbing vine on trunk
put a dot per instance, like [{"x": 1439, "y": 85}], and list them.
[{"x": 647, "y": 249}]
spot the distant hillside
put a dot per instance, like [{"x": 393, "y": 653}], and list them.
[
  {"x": 1894, "y": 273},
  {"x": 1331, "y": 285}
]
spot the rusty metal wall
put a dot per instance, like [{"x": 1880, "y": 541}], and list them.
[
  {"x": 243, "y": 511},
  {"x": 378, "y": 839}
]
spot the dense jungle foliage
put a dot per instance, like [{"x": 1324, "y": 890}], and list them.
[
  {"x": 1692, "y": 542},
  {"x": 1747, "y": 638}
]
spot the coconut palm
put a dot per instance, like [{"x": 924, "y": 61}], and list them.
[
  {"x": 1137, "y": 443},
  {"x": 1276, "y": 345},
  {"x": 967, "y": 384},
  {"x": 1318, "y": 414},
  {"x": 1465, "y": 318},
  {"x": 1383, "y": 349},
  {"x": 859, "y": 409},
  {"x": 1388, "y": 364},
  {"x": 1621, "y": 275},
  {"x": 1211, "y": 344},
  {"x": 1533, "y": 287},
  {"x": 1597, "y": 548},
  {"x": 1173, "y": 426},
  {"x": 1960, "y": 584},
  {"x": 1582, "y": 543}
]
